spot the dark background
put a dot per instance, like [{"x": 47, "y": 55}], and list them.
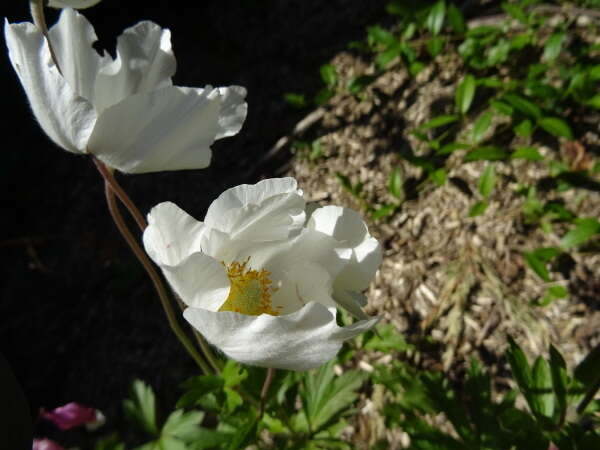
[{"x": 78, "y": 317}]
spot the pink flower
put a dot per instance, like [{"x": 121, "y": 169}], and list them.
[
  {"x": 73, "y": 415},
  {"x": 45, "y": 444}
]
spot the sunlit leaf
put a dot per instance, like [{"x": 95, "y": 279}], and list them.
[
  {"x": 487, "y": 181},
  {"x": 529, "y": 153},
  {"x": 489, "y": 153},
  {"x": 439, "y": 121},
  {"x": 542, "y": 393},
  {"x": 328, "y": 74},
  {"x": 395, "y": 184},
  {"x": 537, "y": 265},
  {"x": 456, "y": 19},
  {"x": 524, "y": 128},
  {"x": 553, "y": 46},
  {"x": 556, "y": 127},
  {"x": 481, "y": 126},
  {"x": 584, "y": 230},
  {"x": 436, "y": 16},
  {"x": 478, "y": 208},
  {"x": 523, "y": 105},
  {"x": 141, "y": 407},
  {"x": 465, "y": 94}
]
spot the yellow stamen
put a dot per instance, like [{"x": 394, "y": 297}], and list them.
[{"x": 250, "y": 291}]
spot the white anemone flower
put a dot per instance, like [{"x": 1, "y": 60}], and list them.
[
  {"x": 261, "y": 275},
  {"x": 77, "y": 4},
  {"x": 125, "y": 111}
]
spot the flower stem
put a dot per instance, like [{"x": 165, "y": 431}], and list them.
[
  {"x": 265, "y": 390},
  {"x": 36, "y": 8},
  {"x": 117, "y": 189},
  {"x": 204, "y": 346},
  {"x": 154, "y": 276}
]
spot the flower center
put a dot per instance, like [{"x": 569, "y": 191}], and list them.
[{"x": 250, "y": 291}]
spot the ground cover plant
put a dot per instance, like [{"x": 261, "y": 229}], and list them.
[{"x": 466, "y": 133}]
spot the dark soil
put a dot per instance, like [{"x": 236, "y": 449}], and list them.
[{"x": 80, "y": 320}]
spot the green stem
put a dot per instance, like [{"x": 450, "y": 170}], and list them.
[
  {"x": 265, "y": 390},
  {"x": 117, "y": 189},
  {"x": 204, "y": 346},
  {"x": 154, "y": 276}
]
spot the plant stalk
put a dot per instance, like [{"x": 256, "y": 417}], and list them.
[{"x": 154, "y": 276}]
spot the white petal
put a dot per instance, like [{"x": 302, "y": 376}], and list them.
[
  {"x": 79, "y": 4},
  {"x": 269, "y": 210},
  {"x": 200, "y": 281},
  {"x": 72, "y": 38},
  {"x": 347, "y": 227},
  {"x": 144, "y": 62},
  {"x": 303, "y": 340},
  {"x": 67, "y": 118},
  {"x": 172, "y": 234},
  {"x": 167, "y": 129},
  {"x": 233, "y": 110}
]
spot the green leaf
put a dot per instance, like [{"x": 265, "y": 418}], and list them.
[
  {"x": 537, "y": 265},
  {"x": 325, "y": 395},
  {"x": 584, "y": 230},
  {"x": 502, "y": 107},
  {"x": 489, "y": 153},
  {"x": 594, "y": 72},
  {"x": 481, "y": 126},
  {"x": 556, "y": 127},
  {"x": 515, "y": 11},
  {"x": 558, "y": 291},
  {"x": 523, "y": 105},
  {"x": 395, "y": 184},
  {"x": 498, "y": 53},
  {"x": 478, "y": 208},
  {"x": 553, "y": 46},
  {"x": 487, "y": 181},
  {"x": 456, "y": 19},
  {"x": 233, "y": 373},
  {"x": 388, "y": 55},
  {"x": 438, "y": 176},
  {"x": 588, "y": 370},
  {"x": 384, "y": 211},
  {"x": 594, "y": 102},
  {"x": 542, "y": 390},
  {"x": 381, "y": 36},
  {"x": 465, "y": 94},
  {"x": 323, "y": 96},
  {"x": 183, "y": 425},
  {"x": 451, "y": 147},
  {"x": 387, "y": 339},
  {"x": 141, "y": 408},
  {"x": 519, "y": 367},
  {"x": 295, "y": 100},
  {"x": 210, "y": 439},
  {"x": 525, "y": 128},
  {"x": 436, "y": 16},
  {"x": 529, "y": 153},
  {"x": 356, "y": 85},
  {"x": 560, "y": 381},
  {"x": 328, "y": 74},
  {"x": 439, "y": 121},
  {"x": 111, "y": 442},
  {"x": 435, "y": 45}
]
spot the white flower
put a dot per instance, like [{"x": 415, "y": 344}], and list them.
[
  {"x": 78, "y": 4},
  {"x": 260, "y": 278},
  {"x": 125, "y": 111}
]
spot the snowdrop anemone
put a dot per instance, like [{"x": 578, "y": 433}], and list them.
[
  {"x": 78, "y": 4},
  {"x": 263, "y": 274},
  {"x": 125, "y": 111}
]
